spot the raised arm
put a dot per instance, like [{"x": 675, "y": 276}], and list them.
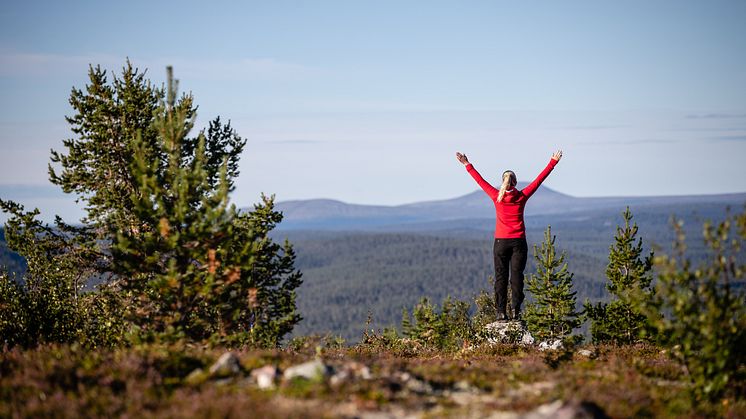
[
  {"x": 533, "y": 186},
  {"x": 486, "y": 187}
]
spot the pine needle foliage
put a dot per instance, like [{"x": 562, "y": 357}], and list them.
[
  {"x": 629, "y": 274},
  {"x": 551, "y": 315},
  {"x": 703, "y": 319},
  {"x": 446, "y": 328},
  {"x": 179, "y": 262}
]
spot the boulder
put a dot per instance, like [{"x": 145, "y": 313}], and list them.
[{"x": 508, "y": 332}]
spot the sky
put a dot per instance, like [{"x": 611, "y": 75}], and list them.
[{"x": 368, "y": 101}]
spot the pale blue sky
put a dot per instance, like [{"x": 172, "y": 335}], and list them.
[{"x": 367, "y": 101}]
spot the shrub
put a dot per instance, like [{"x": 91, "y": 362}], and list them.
[{"x": 704, "y": 317}]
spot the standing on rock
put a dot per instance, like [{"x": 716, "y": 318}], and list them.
[{"x": 510, "y": 249}]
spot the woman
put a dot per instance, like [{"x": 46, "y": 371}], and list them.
[{"x": 510, "y": 250}]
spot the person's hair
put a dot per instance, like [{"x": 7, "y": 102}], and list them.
[{"x": 508, "y": 181}]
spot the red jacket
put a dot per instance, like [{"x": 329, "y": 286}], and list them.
[{"x": 509, "y": 223}]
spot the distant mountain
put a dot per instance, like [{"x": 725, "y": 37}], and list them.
[{"x": 326, "y": 214}]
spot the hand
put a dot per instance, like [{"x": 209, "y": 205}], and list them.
[
  {"x": 462, "y": 158},
  {"x": 557, "y": 155}
]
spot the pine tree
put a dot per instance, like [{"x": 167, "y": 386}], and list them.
[
  {"x": 193, "y": 265},
  {"x": 179, "y": 260},
  {"x": 552, "y": 314},
  {"x": 621, "y": 320}
]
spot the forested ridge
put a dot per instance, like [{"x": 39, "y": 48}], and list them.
[{"x": 349, "y": 275}]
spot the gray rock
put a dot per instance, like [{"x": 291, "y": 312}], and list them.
[
  {"x": 227, "y": 365},
  {"x": 572, "y": 410},
  {"x": 552, "y": 345},
  {"x": 350, "y": 371},
  {"x": 312, "y": 370},
  {"x": 265, "y": 376},
  {"x": 585, "y": 352},
  {"x": 508, "y": 332}
]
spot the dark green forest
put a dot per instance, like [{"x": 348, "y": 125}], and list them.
[{"x": 351, "y": 275}]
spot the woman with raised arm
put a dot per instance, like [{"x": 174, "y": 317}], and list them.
[{"x": 510, "y": 249}]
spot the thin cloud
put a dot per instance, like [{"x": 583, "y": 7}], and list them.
[
  {"x": 294, "y": 142},
  {"x": 716, "y": 116},
  {"x": 594, "y": 127},
  {"x": 25, "y": 64},
  {"x": 629, "y": 142},
  {"x": 730, "y": 138}
]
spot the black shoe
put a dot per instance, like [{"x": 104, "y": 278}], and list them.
[
  {"x": 501, "y": 317},
  {"x": 517, "y": 316}
]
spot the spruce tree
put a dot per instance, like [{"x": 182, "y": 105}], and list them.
[
  {"x": 621, "y": 320},
  {"x": 551, "y": 315}
]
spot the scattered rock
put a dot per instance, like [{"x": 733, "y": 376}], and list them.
[
  {"x": 572, "y": 410},
  {"x": 552, "y": 345},
  {"x": 226, "y": 366},
  {"x": 265, "y": 376},
  {"x": 350, "y": 371},
  {"x": 413, "y": 384},
  {"x": 508, "y": 332},
  {"x": 585, "y": 352},
  {"x": 314, "y": 370},
  {"x": 533, "y": 389}
]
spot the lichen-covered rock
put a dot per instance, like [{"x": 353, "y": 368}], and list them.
[
  {"x": 226, "y": 366},
  {"x": 586, "y": 353},
  {"x": 508, "y": 332},
  {"x": 551, "y": 345},
  {"x": 314, "y": 370}
]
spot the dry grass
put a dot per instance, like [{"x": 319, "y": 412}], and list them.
[{"x": 66, "y": 381}]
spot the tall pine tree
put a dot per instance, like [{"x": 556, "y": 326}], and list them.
[
  {"x": 621, "y": 321},
  {"x": 181, "y": 261},
  {"x": 552, "y": 313}
]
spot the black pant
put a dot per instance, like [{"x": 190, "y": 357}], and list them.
[{"x": 510, "y": 257}]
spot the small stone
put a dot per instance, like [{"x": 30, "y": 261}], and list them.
[
  {"x": 265, "y": 376},
  {"x": 462, "y": 385},
  {"x": 227, "y": 365},
  {"x": 585, "y": 352},
  {"x": 552, "y": 345},
  {"x": 312, "y": 370},
  {"x": 571, "y": 410}
]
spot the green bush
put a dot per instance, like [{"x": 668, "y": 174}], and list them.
[
  {"x": 704, "y": 316},
  {"x": 446, "y": 328}
]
